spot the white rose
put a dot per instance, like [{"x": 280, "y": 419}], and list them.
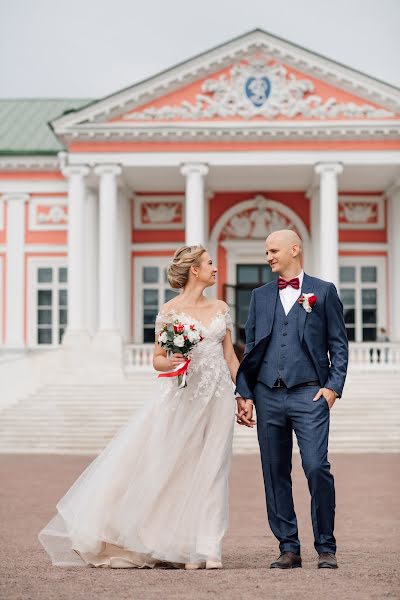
[
  {"x": 163, "y": 337},
  {"x": 179, "y": 341},
  {"x": 193, "y": 336}
]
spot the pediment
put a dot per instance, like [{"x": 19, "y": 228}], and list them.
[
  {"x": 254, "y": 81},
  {"x": 257, "y": 87}
]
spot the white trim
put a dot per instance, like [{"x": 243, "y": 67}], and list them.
[
  {"x": 238, "y": 158},
  {"x": 237, "y": 132},
  {"x": 53, "y": 248},
  {"x": 33, "y": 263},
  {"x": 374, "y": 261},
  {"x": 29, "y": 163},
  {"x": 57, "y": 202},
  {"x": 32, "y": 186},
  {"x": 138, "y": 202},
  {"x": 363, "y": 247},
  {"x": 378, "y": 200}
]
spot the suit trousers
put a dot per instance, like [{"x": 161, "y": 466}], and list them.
[{"x": 280, "y": 411}]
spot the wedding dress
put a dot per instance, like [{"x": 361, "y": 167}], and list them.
[{"x": 158, "y": 492}]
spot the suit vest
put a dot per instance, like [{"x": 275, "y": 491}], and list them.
[{"x": 285, "y": 357}]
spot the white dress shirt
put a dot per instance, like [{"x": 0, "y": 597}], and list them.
[{"x": 289, "y": 295}]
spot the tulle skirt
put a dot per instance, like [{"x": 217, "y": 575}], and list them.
[{"x": 158, "y": 492}]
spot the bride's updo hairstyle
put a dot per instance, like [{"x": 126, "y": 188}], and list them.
[{"x": 179, "y": 268}]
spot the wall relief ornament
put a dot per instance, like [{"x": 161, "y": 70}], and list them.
[
  {"x": 256, "y": 223},
  {"x": 159, "y": 212},
  {"x": 259, "y": 87},
  {"x": 48, "y": 214},
  {"x": 361, "y": 213}
]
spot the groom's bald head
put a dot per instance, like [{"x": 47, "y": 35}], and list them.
[
  {"x": 284, "y": 250},
  {"x": 288, "y": 237}
]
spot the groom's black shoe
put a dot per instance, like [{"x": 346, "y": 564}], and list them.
[
  {"x": 287, "y": 560},
  {"x": 327, "y": 560}
]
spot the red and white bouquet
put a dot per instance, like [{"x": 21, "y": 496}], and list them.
[{"x": 179, "y": 338}]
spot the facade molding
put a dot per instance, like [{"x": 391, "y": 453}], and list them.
[
  {"x": 254, "y": 42},
  {"x": 238, "y": 158},
  {"x": 29, "y": 163},
  {"x": 32, "y": 186},
  {"x": 363, "y": 247},
  {"x": 235, "y": 131}
]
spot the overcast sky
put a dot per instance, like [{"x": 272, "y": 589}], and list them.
[{"x": 91, "y": 48}]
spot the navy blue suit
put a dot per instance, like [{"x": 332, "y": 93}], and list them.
[{"x": 295, "y": 348}]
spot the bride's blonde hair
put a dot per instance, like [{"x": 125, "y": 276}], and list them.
[{"x": 184, "y": 258}]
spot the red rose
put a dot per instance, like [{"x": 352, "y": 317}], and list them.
[{"x": 312, "y": 301}]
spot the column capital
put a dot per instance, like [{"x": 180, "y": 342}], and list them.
[
  {"x": 14, "y": 197},
  {"x": 328, "y": 167},
  {"x": 190, "y": 168},
  {"x": 108, "y": 170},
  {"x": 81, "y": 170}
]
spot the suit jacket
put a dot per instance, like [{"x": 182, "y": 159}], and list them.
[{"x": 322, "y": 331}]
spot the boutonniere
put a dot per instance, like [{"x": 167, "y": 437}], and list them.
[{"x": 308, "y": 301}]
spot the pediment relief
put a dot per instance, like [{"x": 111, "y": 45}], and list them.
[{"x": 257, "y": 88}]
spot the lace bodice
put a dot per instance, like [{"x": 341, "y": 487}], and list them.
[{"x": 208, "y": 369}]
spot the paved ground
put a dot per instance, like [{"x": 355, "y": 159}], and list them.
[{"x": 368, "y": 512}]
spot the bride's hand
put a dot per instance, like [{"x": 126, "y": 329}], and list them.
[
  {"x": 244, "y": 415},
  {"x": 176, "y": 360}
]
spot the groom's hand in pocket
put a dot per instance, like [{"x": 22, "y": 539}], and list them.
[{"x": 329, "y": 395}]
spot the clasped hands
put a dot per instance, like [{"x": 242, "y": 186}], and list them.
[{"x": 244, "y": 415}]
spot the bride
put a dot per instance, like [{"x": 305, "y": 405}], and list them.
[{"x": 157, "y": 495}]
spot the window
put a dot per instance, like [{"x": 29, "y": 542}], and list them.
[
  {"x": 361, "y": 288},
  {"x": 48, "y": 304},
  {"x": 153, "y": 291}
]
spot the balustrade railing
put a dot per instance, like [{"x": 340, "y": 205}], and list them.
[{"x": 376, "y": 355}]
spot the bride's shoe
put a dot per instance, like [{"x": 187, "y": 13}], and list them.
[
  {"x": 194, "y": 566},
  {"x": 213, "y": 564}
]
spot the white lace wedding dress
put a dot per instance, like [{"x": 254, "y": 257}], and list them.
[{"x": 158, "y": 492}]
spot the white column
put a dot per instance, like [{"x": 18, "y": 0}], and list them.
[
  {"x": 328, "y": 221},
  {"x": 92, "y": 258},
  {"x": 15, "y": 293},
  {"x": 393, "y": 199},
  {"x": 313, "y": 196},
  {"x": 195, "y": 213},
  {"x": 108, "y": 234},
  {"x": 77, "y": 326}
]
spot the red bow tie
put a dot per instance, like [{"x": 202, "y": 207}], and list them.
[{"x": 294, "y": 283}]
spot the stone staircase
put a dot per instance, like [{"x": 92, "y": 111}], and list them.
[{"x": 79, "y": 418}]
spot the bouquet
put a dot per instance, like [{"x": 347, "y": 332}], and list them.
[{"x": 177, "y": 338}]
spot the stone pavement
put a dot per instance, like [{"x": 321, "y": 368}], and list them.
[{"x": 368, "y": 533}]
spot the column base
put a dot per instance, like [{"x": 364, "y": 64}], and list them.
[{"x": 107, "y": 349}]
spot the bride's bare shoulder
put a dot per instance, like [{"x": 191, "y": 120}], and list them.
[
  {"x": 168, "y": 307},
  {"x": 222, "y": 306}
]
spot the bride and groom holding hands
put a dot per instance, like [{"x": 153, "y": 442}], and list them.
[{"x": 158, "y": 493}]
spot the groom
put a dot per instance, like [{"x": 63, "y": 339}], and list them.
[{"x": 293, "y": 324}]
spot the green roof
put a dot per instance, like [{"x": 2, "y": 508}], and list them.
[{"x": 24, "y": 124}]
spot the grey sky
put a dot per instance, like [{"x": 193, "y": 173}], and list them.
[{"x": 91, "y": 48}]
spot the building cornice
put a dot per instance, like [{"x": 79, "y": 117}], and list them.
[
  {"x": 232, "y": 130},
  {"x": 29, "y": 163}
]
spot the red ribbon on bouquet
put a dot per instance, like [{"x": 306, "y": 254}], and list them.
[{"x": 179, "y": 370}]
